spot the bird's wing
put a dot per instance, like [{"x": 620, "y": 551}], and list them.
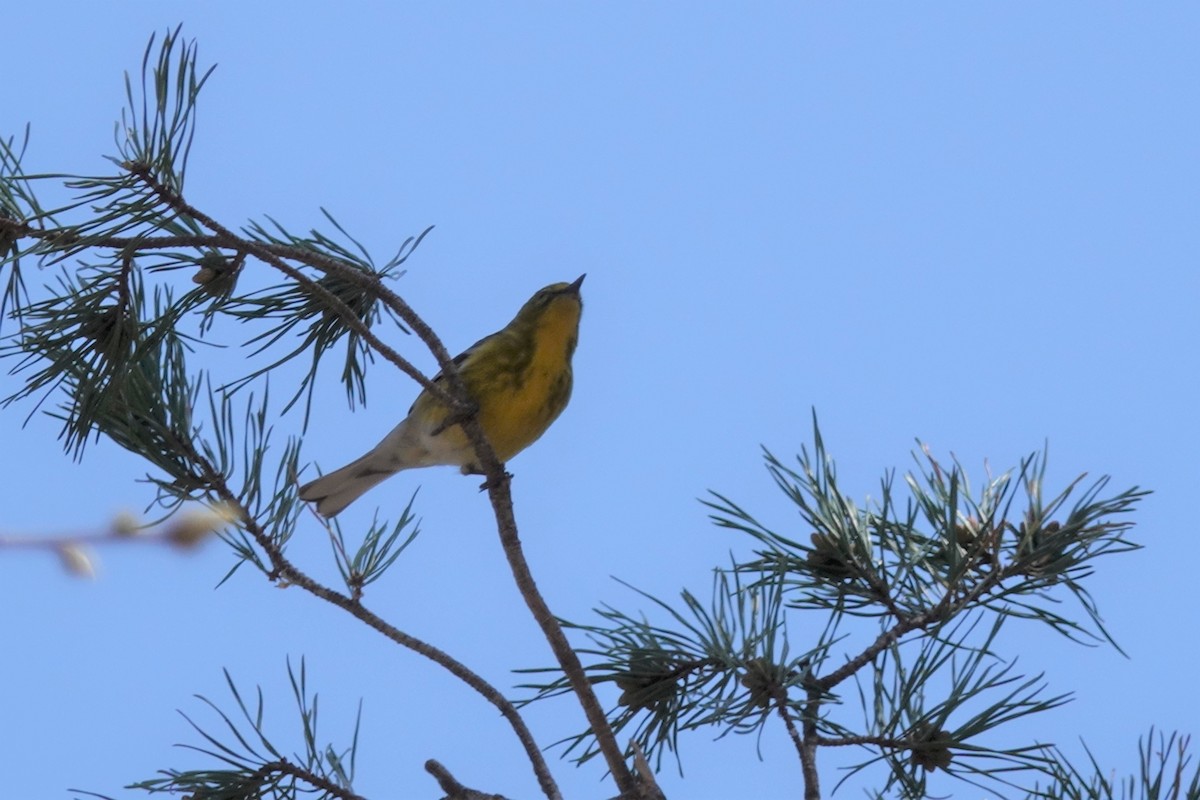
[{"x": 459, "y": 360}]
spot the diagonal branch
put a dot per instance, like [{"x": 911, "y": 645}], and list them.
[
  {"x": 500, "y": 493},
  {"x": 223, "y": 237},
  {"x": 457, "y": 398},
  {"x": 955, "y": 599},
  {"x": 283, "y": 570},
  {"x": 285, "y": 767}
]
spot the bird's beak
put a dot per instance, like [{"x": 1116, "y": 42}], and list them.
[{"x": 574, "y": 287}]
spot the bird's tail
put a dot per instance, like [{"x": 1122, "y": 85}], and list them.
[
  {"x": 405, "y": 447},
  {"x": 340, "y": 488}
]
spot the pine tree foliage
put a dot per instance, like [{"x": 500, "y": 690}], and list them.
[{"x": 873, "y": 625}]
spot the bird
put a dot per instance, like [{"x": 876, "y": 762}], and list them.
[{"x": 519, "y": 378}]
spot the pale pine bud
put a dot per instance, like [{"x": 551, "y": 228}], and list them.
[
  {"x": 126, "y": 523},
  {"x": 193, "y": 526},
  {"x": 76, "y": 561}
]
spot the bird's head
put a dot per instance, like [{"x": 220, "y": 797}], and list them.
[{"x": 558, "y": 304}]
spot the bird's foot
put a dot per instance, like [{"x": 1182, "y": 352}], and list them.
[{"x": 505, "y": 478}]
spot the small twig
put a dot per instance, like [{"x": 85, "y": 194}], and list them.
[
  {"x": 954, "y": 599},
  {"x": 453, "y": 789},
  {"x": 648, "y": 788},
  {"x": 779, "y": 695},
  {"x": 881, "y": 643},
  {"x": 883, "y": 594},
  {"x": 90, "y": 539},
  {"x": 877, "y": 741},
  {"x": 182, "y": 531},
  {"x": 287, "y": 768},
  {"x": 808, "y": 747}
]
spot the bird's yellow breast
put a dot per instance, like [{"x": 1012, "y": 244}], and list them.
[
  {"x": 532, "y": 391},
  {"x": 521, "y": 379}
]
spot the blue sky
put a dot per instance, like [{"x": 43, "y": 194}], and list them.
[{"x": 972, "y": 224}]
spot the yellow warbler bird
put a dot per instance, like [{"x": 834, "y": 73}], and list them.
[{"x": 520, "y": 377}]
